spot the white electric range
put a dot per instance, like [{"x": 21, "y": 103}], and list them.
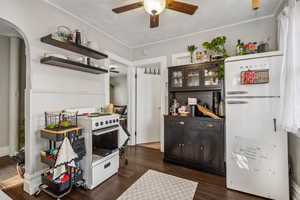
[{"x": 101, "y": 132}]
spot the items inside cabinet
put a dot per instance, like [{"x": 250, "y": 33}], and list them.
[{"x": 197, "y": 84}]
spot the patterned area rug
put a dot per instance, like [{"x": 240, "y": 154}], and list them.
[
  {"x": 3, "y": 196},
  {"x": 155, "y": 185}
]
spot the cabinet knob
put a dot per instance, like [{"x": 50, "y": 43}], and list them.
[
  {"x": 201, "y": 148},
  {"x": 181, "y": 123},
  {"x": 210, "y": 125}
]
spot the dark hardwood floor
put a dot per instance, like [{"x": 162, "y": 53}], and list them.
[{"x": 141, "y": 159}]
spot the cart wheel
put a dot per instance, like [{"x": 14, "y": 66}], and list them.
[
  {"x": 126, "y": 161},
  {"x": 37, "y": 193},
  {"x": 85, "y": 187}
]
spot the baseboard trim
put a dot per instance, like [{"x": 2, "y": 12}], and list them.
[
  {"x": 32, "y": 182},
  {"x": 295, "y": 191},
  {"x": 4, "y": 151}
]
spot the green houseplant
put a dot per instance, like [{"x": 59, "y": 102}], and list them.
[
  {"x": 192, "y": 49},
  {"x": 217, "y": 45}
]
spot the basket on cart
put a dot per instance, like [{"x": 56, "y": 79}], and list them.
[{"x": 60, "y": 120}]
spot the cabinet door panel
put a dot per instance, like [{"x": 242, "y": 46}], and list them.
[
  {"x": 210, "y": 78},
  {"x": 192, "y": 78},
  {"x": 176, "y": 79},
  {"x": 174, "y": 131},
  {"x": 204, "y": 143}
]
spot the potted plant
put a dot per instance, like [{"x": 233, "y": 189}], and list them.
[
  {"x": 192, "y": 49},
  {"x": 217, "y": 45}
]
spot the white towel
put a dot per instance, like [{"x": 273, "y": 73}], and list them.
[{"x": 66, "y": 154}]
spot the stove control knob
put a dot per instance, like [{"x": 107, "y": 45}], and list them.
[
  {"x": 117, "y": 120},
  {"x": 110, "y": 121},
  {"x": 114, "y": 121},
  {"x": 101, "y": 123},
  {"x": 96, "y": 124},
  {"x": 106, "y": 122}
]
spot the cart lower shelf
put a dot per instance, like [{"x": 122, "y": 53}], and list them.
[{"x": 44, "y": 188}]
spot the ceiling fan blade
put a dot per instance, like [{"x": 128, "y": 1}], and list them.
[
  {"x": 169, "y": 1},
  {"x": 128, "y": 7},
  {"x": 182, "y": 7},
  {"x": 154, "y": 21}
]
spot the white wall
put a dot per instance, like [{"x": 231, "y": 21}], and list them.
[
  {"x": 51, "y": 88},
  {"x": 252, "y": 31},
  {"x": 119, "y": 91},
  {"x": 4, "y": 90}
]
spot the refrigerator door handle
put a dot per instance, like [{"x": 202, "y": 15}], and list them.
[
  {"x": 275, "y": 124},
  {"x": 237, "y": 102},
  {"x": 237, "y": 92}
]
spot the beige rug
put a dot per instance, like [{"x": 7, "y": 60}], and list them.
[
  {"x": 155, "y": 185},
  {"x": 3, "y": 196},
  {"x": 11, "y": 182}
]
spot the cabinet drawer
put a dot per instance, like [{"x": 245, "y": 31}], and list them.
[
  {"x": 104, "y": 170},
  {"x": 205, "y": 125}
]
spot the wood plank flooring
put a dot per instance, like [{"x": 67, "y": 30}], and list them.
[
  {"x": 151, "y": 145},
  {"x": 7, "y": 168},
  {"x": 141, "y": 159}
]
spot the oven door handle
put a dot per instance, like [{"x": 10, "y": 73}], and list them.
[{"x": 100, "y": 132}]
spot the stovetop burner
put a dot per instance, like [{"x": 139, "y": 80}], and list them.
[{"x": 98, "y": 114}]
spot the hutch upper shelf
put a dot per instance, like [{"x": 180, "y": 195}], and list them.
[{"x": 201, "y": 76}]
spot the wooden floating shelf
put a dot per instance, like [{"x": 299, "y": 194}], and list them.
[
  {"x": 69, "y": 64},
  {"x": 71, "y": 46}
]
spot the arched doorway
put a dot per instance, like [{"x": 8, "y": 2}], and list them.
[{"x": 14, "y": 69}]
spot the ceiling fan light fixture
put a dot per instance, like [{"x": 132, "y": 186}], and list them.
[{"x": 154, "y": 7}]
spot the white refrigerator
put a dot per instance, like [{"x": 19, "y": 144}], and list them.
[{"x": 256, "y": 151}]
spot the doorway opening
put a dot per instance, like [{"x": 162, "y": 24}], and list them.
[
  {"x": 149, "y": 98},
  {"x": 119, "y": 90},
  {"x": 12, "y": 107}
]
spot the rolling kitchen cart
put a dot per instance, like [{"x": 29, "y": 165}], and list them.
[{"x": 54, "y": 188}]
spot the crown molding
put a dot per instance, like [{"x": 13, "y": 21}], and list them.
[
  {"x": 277, "y": 8},
  {"x": 204, "y": 31},
  {"x": 171, "y": 38},
  {"x": 87, "y": 23}
]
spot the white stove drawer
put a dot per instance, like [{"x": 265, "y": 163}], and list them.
[{"x": 104, "y": 170}]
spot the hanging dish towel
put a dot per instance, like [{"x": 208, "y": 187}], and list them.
[{"x": 65, "y": 155}]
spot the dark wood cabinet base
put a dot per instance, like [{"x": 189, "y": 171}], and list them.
[
  {"x": 196, "y": 166},
  {"x": 195, "y": 142}
]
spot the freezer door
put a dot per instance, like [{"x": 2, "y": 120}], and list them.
[
  {"x": 256, "y": 152},
  {"x": 233, "y": 70}
]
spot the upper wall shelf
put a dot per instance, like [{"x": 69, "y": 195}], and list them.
[{"x": 71, "y": 46}]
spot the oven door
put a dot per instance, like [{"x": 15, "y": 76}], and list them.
[{"x": 105, "y": 141}]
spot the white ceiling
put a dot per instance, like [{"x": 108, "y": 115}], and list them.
[{"x": 132, "y": 28}]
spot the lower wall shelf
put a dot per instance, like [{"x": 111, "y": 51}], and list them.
[{"x": 69, "y": 64}]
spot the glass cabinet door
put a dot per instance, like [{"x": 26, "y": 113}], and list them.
[
  {"x": 193, "y": 78},
  {"x": 211, "y": 78},
  {"x": 176, "y": 79}
]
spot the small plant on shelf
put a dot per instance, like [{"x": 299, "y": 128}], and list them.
[
  {"x": 192, "y": 49},
  {"x": 217, "y": 45}
]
